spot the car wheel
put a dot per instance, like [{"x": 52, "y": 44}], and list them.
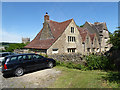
[
  {"x": 50, "y": 64},
  {"x": 19, "y": 72}
]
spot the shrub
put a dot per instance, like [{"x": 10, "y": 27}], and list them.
[
  {"x": 97, "y": 62},
  {"x": 46, "y": 56},
  {"x": 71, "y": 65}
]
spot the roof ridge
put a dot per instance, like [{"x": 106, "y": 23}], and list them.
[{"x": 60, "y": 22}]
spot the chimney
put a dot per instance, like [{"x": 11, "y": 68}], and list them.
[
  {"x": 46, "y": 17},
  {"x": 96, "y": 22}
]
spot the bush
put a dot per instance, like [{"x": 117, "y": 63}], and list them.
[
  {"x": 71, "y": 65},
  {"x": 93, "y": 62},
  {"x": 97, "y": 62}
]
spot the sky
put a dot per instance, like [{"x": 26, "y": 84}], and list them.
[{"x": 25, "y": 19}]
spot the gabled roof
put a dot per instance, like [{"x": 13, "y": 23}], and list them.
[
  {"x": 92, "y": 36},
  {"x": 84, "y": 32},
  {"x": 57, "y": 28},
  {"x": 100, "y": 26}
]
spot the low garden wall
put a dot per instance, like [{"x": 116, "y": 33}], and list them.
[{"x": 74, "y": 58}]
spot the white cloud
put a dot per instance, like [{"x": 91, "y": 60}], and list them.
[{"x": 7, "y": 36}]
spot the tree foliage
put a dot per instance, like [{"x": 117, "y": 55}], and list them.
[
  {"x": 12, "y": 47},
  {"x": 115, "y": 39},
  {"x": 82, "y": 25},
  {"x": 98, "y": 62}
]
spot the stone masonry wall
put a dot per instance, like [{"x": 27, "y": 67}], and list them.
[{"x": 74, "y": 58}]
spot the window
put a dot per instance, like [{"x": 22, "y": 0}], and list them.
[
  {"x": 71, "y": 39},
  {"x": 4, "y": 54},
  {"x": 98, "y": 49},
  {"x": 13, "y": 59},
  {"x": 29, "y": 57},
  {"x": 93, "y": 49},
  {"x": 71, "y": 50},
  {"x": 100, "y": 31},
  {"x": 88, "y": 49},
  {"x": 55, "y": 50},
  {"x": 105, "y": 37},
  {"x": 20, "y": 57},
  {"x": 24, "y": 57},
  {"x": 37, "y": 57},
  {"x": 72, "y": 29}
]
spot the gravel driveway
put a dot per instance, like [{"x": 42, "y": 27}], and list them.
[{"x": 37, "y": 79}]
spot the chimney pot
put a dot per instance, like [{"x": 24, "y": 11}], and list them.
[{"x": 46, "y": 17}]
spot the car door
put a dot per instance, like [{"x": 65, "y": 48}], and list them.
[
  {"x": 39, "y": 60},
  {"x": 28, "y": 62},
  {"x": 12, "y": 62}
]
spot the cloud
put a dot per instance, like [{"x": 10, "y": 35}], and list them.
[{"x": 7, "y": 36}]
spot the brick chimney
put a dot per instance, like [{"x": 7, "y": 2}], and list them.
[
  {"x": 96, "y": 22},
  {"x": 46, "y": 17}
]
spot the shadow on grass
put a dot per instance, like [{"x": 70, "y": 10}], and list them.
[{"x": 113, "y": 77}]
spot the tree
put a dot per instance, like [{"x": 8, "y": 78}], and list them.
[
  {"x": 115, "y": 39},
  {"x": 12, "y": 47},
  {"x": 82, "y": 25}
]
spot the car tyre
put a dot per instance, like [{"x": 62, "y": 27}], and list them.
[
  {"x": 50, "y": 65},
  {"x": 19, "y": 72}
]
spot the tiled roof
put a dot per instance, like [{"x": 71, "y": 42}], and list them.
[
  {"x": 57, "y": 28},
  {"x": 92, "y": 36},
  {"x": 100, "y": 26},
  {"x": 84, "y": 32}
]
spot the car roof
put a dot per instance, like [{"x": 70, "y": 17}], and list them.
[{"x": 21, "y": 54}]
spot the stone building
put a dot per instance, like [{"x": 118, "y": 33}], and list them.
[
  {"x": 25, "y": 40},
  {"x": 66, "y": 37}
]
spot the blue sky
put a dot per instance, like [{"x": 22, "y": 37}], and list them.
[{"x": 25, "y": 19}]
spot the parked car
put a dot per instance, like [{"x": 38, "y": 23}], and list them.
[
  {"x": 3, "y": 54},
  {"x": 20, "y": 63}
]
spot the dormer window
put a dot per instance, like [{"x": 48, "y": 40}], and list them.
[{"x": 72, "y": 29}]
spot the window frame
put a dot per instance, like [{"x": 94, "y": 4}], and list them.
[
  {"x": 72, "y": 29},
  {"x": 71, "y": 39}
]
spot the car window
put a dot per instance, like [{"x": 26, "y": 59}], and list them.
[
  {"x": 14, "y": 58},
  {"x": 20, "y": 57},
  {"x": 37, "y": 57},
  {"x": 29, "y": 57},
  {"x": 4, "y": 54},
  {"x": 24, "y": 57},
  {"x": 40, "y": 56}
]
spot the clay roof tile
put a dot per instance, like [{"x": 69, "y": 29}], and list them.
[{"x": 57, "y": 28}]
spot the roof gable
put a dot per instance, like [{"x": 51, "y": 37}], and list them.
[{"x": 57, "y": 28}]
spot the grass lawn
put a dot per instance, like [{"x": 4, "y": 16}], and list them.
[{"x": 73, "y": 78}]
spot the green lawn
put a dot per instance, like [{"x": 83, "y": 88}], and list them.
[{"x": 73, "y": 78}]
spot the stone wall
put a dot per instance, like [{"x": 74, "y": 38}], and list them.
[
  {"x": 74, "y": 58},
  {"x": 62, "y": 43}
]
